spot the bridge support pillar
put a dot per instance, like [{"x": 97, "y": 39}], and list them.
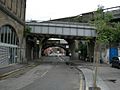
[
  {"x": 29, "y": 51},
  {"x": 90, "y": 50},
  {"x": 36, "y": 51},
  {"x": 40, "y": 50},
  {"x": 74, "y": 50}
]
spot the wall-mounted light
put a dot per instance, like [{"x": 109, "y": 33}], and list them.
[{"x": 37, "y": 41}]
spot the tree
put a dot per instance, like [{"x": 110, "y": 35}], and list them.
[
  {"x": 107, "y": 32},
  {"x": 83, "y": 49},
  {"x": 26, "y": 31},
  {"x": 116, "y": 33}
]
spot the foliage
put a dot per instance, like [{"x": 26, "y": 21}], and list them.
[
  {"x": 117, "y": 33},
  {"x": 103, "y": 28},
  {"x": 83, "y": 49},
  {"x": 106, "y": 30},
  {"x": 27, "y": 31}
]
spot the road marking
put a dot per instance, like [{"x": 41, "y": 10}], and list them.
[
  {"x": 44, "y": 74},
  {"x": 81, "y": 84},
  {"x": 60, "y": 58}
]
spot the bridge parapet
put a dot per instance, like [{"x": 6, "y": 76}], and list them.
[
  {"x": 116, "y": 14},
  {"x": 115, "y": 11},
  {"x": 62, "y": 28},
  {"x": 61, "y": 24}
]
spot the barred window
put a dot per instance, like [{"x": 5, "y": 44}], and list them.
[{"x": 8, "y": 35}]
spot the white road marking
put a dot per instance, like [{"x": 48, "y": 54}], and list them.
[
  {"x": 60, "y": 58},
  {"x": 44, "y": 74}
]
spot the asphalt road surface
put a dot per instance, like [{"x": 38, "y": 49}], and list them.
[
  {"x": 59, "y": 77},
  {"x": 51, "y": 76},
  {"x": 54, "y": 74}
]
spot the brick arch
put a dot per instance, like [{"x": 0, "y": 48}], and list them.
[
  {"x": 17, "y": 27},
  {"x": 12, "y": 29},
  {"x": 60, "y": 46}
]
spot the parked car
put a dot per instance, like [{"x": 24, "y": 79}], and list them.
[
  {"x": 116, "y": 62},
  {"x": 53, "y": 54}
]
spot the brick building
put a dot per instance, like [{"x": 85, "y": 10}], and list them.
[{"x": 12, "y": 24}]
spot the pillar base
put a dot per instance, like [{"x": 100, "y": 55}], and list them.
[{"x": 75, "y": 56}]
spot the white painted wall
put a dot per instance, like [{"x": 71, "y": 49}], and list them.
[
  {"x": 118, "y": 51},
  {"x": 105, "y": 56}
]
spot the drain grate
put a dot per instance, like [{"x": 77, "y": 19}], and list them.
[
  {"x": 94, "y": 88},
  {"x": 111, "y": 80}
]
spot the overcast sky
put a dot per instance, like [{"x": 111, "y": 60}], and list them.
[{"x": 52, "y": 9}]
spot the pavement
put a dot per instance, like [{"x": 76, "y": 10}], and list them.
[
  {"x": 5, "y": 71},
  {"x": 89, "y": 80},
  {"x": 108, "y": 78},
  {"x": 10, "y": 69}
]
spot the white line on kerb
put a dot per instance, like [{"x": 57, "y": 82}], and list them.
[{"x": 81, "y": 84}]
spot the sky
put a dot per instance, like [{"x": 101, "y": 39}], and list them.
[{"x": 43, "y": 10}]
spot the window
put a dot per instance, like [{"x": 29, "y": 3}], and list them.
[{"x": 8, "y": 35}]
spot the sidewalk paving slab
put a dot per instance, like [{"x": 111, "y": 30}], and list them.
[
  {"x": 87, "y": 69},
  {"x": 10, "y": 68},
  {"x": 89, "y": 80},
  {"x": 4, "y": 71}
]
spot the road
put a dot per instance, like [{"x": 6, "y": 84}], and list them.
[
  {"x": 45, "y": 77},
  {"x": 59, "y": 77}
]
